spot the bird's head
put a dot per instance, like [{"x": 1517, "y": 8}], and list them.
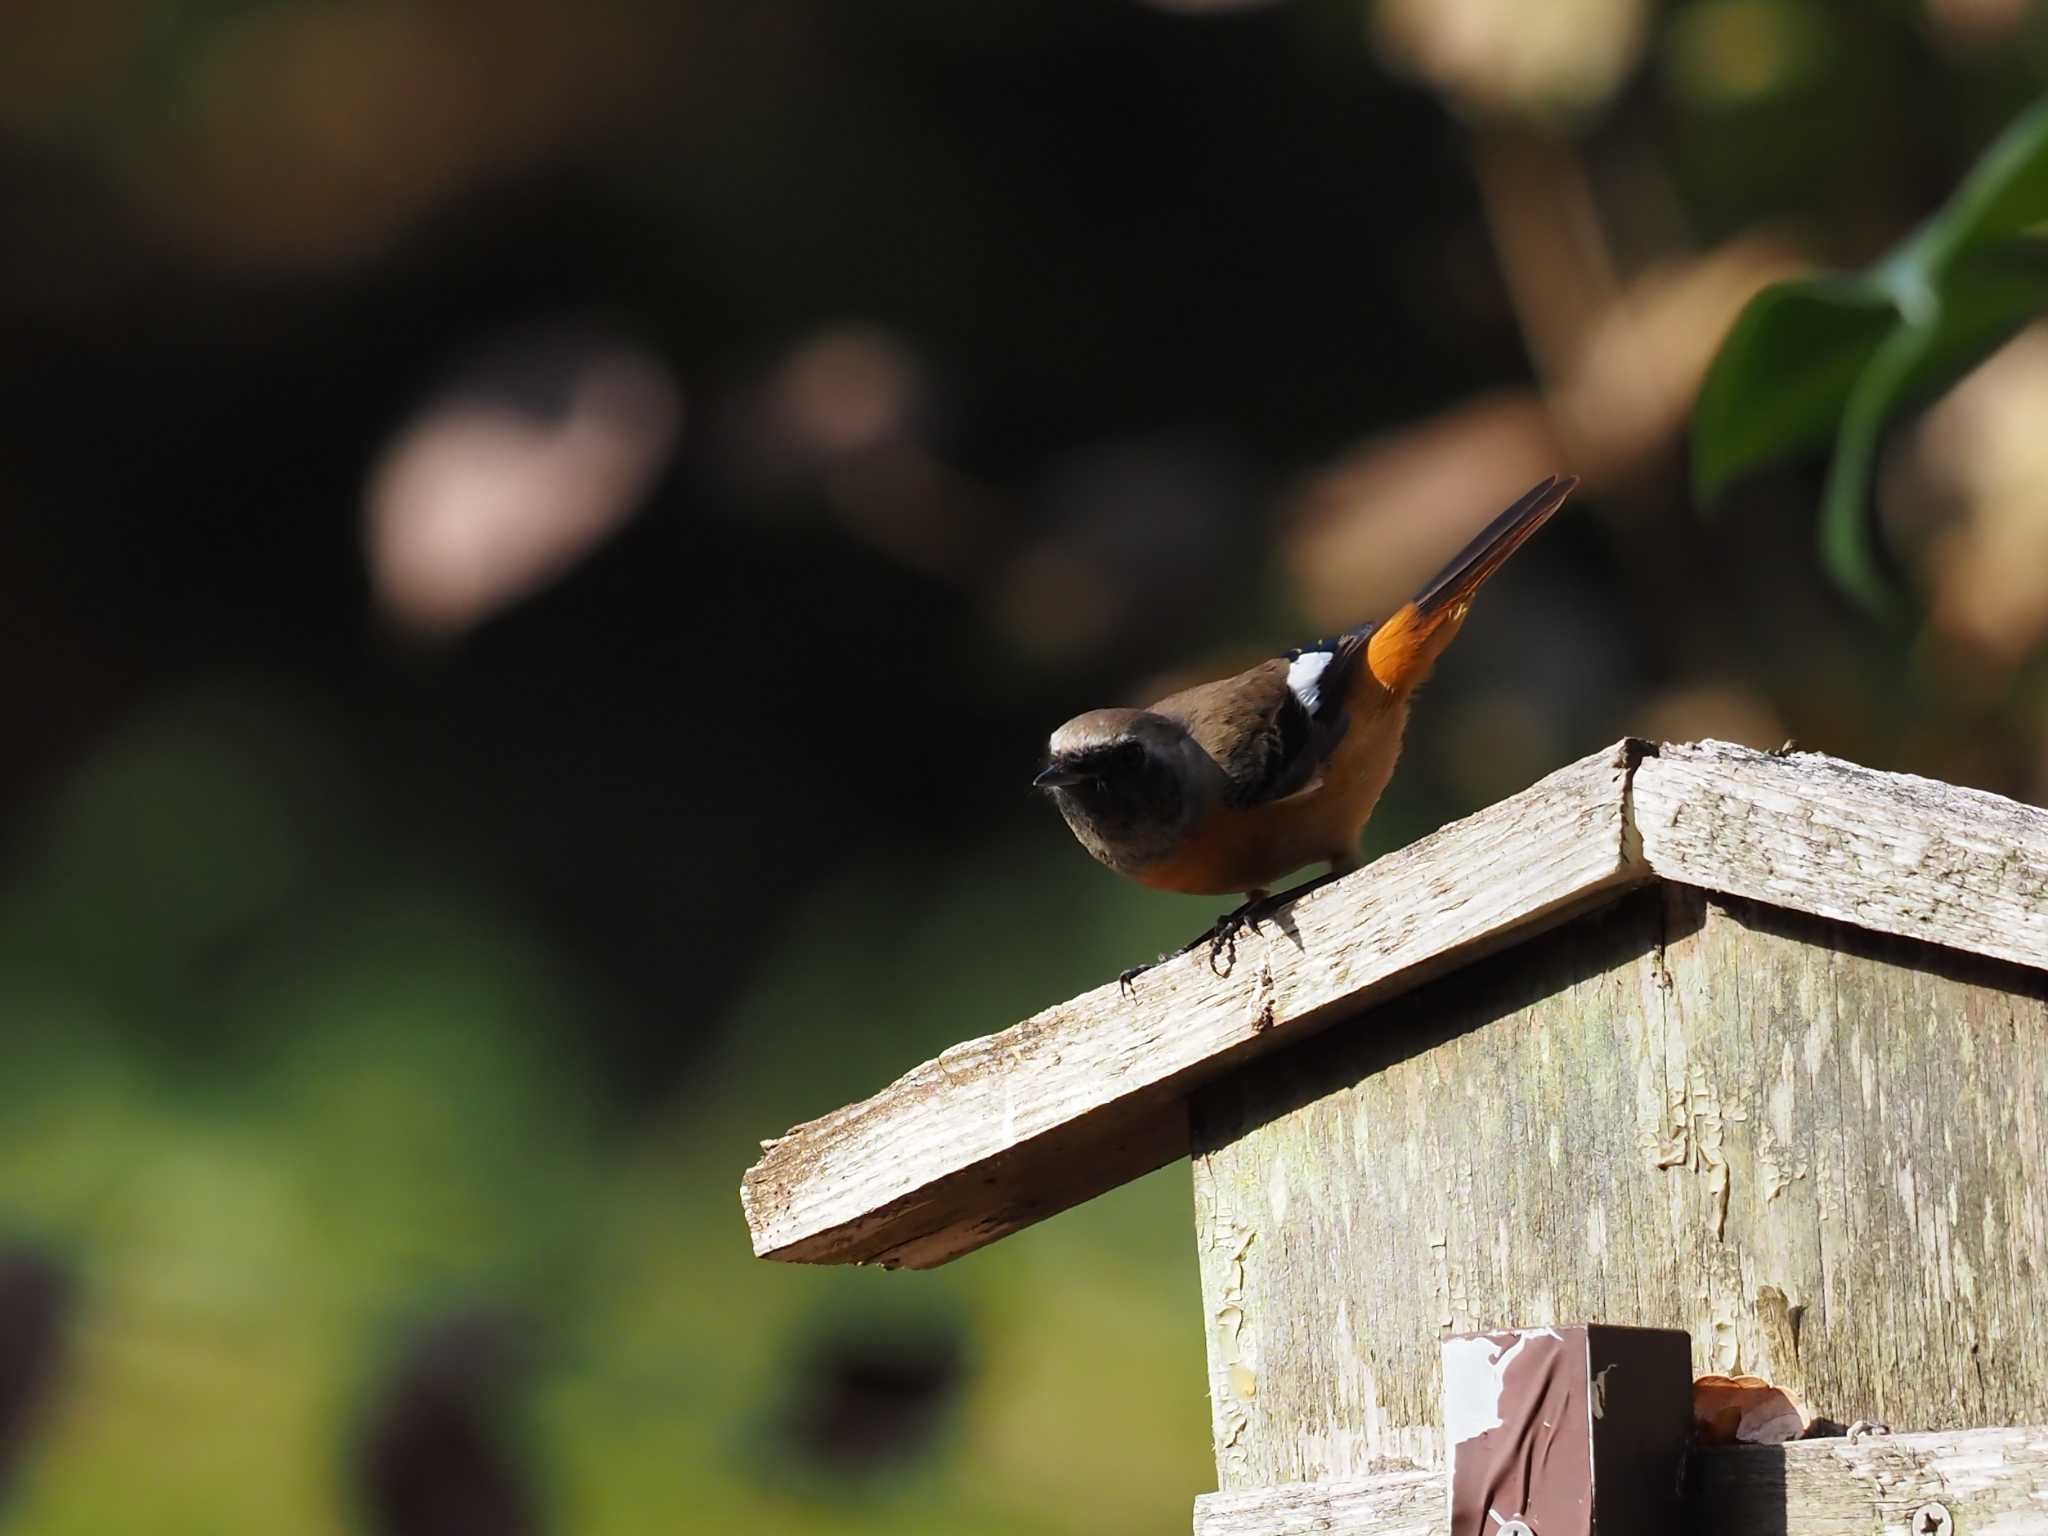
[{"x": 1126, "y": 780}]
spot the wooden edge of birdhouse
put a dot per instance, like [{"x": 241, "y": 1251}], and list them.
[
  {"x": 1002, "y": 1131},
  {"x": 1890, "y": 852},
  {"x": 1940, "y": 1481}
]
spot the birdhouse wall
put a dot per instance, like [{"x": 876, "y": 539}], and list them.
[{"x": 1818, "y": 1150}]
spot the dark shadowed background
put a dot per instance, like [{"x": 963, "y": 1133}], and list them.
[{"x": 540, "y": 545}]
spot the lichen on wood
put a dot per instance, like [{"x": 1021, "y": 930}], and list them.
[{"x": 1816, "y": 1148}]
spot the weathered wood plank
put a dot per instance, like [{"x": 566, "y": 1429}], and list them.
[
  {"x": 1815, "y": 1148},
  {"x": 1390, "y": 1504},
  {"x": 1007, "y": 1129},
  {"x": 1004, "y": 1130},
  {"x": 1992, "y": 1482},
  {"x": 1885, "y": 851}
]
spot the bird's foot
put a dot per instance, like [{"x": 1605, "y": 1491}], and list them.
[
  {"x": 1221, "y": 936},
  {"x": 1127, "y": 979},
  {"x": 1258, "y": 905}
]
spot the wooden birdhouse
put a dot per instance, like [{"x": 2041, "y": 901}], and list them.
[{"x": 1748, "y": 1045}]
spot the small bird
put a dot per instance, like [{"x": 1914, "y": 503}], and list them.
[{"x": 1228, "y": 786}]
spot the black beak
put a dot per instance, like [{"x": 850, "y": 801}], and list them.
[{"x": 1055, "y": 774}]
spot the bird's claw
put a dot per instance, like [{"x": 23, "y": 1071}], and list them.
[
  {"x": 1220, "y": 936},
  {"x": 1127, "y": 978},
  {"x": 1223, "y": 936},
  {"x": 1223, "y": 939}
]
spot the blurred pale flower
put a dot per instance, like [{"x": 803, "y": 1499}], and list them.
[
  {"x": 1514, "y": 57},
  {"x": 1981, "y": 451},
  {"x": 844, "y": 390},
  {"x": 845, "y": 413},
  {"x": 1364, "y": 531},
  {"x": 483, "y": 498},
  {"x": 1629, "y": 386}
]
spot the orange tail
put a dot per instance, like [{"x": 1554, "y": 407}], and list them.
[{"x": 1402, "y": 650}]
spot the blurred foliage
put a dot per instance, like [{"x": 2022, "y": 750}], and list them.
[
  {"x": 539, "y": 547},
  {"x": 1838, "y": 356},
  {"x": 284, "y": 1122}
]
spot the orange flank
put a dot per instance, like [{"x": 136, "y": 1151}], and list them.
[{"x": 1250, "y": 848}]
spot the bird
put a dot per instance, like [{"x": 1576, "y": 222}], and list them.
[{"x": 1229, "y": 786}]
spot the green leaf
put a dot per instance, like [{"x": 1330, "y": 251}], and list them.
[
  {"x": 1988, "y": 295},
  {"x": 1783, "y": 376},
  {"x": 1846, "y": 540},
  {"x": 1780, "y": 380},
  {"x": 2002, "y": 289},
  {"x": 2005, "y": 194},
  {"x": 1843, "y": 354}
]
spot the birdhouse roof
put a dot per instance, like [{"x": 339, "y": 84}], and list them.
[{"x": 1004, "y": 1130}]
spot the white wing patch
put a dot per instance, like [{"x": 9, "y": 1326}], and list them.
[{"x": 1305, "y": 675}]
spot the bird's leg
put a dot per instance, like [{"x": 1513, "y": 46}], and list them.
[
  {"x": 1221, "y": 935},
  {"x": 1257, "y": 904}
]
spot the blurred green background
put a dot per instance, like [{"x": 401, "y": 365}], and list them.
[{"x": 540, "y": 544}]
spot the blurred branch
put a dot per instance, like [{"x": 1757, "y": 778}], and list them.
[{"x": 1547, "y": 234}]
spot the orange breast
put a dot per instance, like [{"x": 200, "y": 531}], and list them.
[{"x": 1253, "y": 849}]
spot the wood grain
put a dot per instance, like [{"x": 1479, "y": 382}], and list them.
[
  {"x": 1815, "y": 1148},
  {"x": 1992, "y": 1482},
  {"x": 1391, "y": 1504},
  {"x": 1004, "y": 1130},
  {"x": 1885, "y": 851}
]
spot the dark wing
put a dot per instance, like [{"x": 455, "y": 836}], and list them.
[{"x": 1271, "y": 728}]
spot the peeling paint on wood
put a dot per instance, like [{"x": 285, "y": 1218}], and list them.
[
  {"x": 1993, "y": 1482},
  {"x": 1815, "y": 1148}
]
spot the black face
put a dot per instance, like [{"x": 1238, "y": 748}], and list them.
[{"x": 1121, "y": 788}]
